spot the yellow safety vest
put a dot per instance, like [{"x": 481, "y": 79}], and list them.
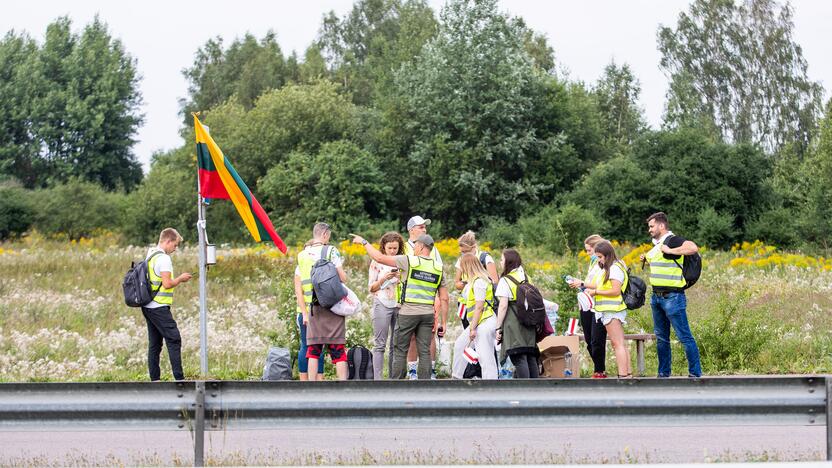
[
  {"x": 423, "y": 279},
  {"x": 471, "y": 302},
  {"x": 305, "y": 262},
  {"x": 664, "y": 272},
  {"x": 165, "y": 295},
  {"x": 512, "y": 286},
  {"x": 610, "y": 303}
]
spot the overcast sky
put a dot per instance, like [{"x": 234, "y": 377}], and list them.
[{"x": 585, "y": 35}]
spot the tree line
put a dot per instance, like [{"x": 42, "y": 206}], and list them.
[{"x": 463, "y": 116}]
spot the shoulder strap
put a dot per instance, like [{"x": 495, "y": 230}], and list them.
[
  {"x": 514, "y": 280},
  {"x": 325, "y": 251},
  {"x": 149, "y": 266},
  {"x": 365, "y": 359},
  {"x": 350, "y": 364},
  {"x": 483, "y": 256}
]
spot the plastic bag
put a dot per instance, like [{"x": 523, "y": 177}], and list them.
[{"x": 347, "y": 306}]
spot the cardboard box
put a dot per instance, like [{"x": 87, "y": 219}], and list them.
[{"x": 559, "y": 353}]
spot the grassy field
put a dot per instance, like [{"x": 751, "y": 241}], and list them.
[{"x": 755, "y": 311}]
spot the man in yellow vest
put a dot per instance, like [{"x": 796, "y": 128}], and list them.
[
  {"x": 669, "y": 302},
  {"x": 422, "y": 286},
  {"x": 417, "y": 226},
  {"x": 160, "y": 323}
]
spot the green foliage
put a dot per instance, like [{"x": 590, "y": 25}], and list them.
[
  {"x": 293, "y": 118},
  {"x": 77, "y": 209},
  {"x": 501, "y": 233},
  {"x": 559, "y": 230},
  {"x": 70, "y": 108},
  {"x": 816, "y": 216},
  {"x": 16, "y": 212},
  {"x": 733, "y": 335},
  {"x": 366, "y": 46},
  {"x": 617, "y": 93},
  {"x": 736, "y": 66},
  {"x": 716, "y": 230},
  {"x": 775, "y": 226},
  {"x": 342, "y": 185},
  {"x": 688, "y": 173}
]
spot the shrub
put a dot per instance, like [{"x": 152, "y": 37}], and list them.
[
  {"x": 715, "y": 229},
  {"x": 76, "y": 209},
  {"x": 16, "y": 212}
]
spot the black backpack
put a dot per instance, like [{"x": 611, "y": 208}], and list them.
[
  {"x": 138, "y": 291},
  {"x": 635, "y": 292},
  {"x": 529, "y": 308},
  {"x": 327, "y": 288},
  {"x": 691, "y": 268},
  {"x": 360, "y": 363}
]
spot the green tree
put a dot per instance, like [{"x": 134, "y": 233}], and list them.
[
  {"x": 617, "y": 93},
  {"x": 77, "y": 209},
  {"x": 736, "y": 68},
  {"x": 341, "y": 184},
  {"x": 292, "y": 118},
  {"x": 74, "y": 108},
  {"x": 16, "y": 211},
  {"x": 246, "y": 69},
  {"x": 466, "y": 110},
  {"x": 368, "y": 44},
  {"x": 816, "y": 218}
]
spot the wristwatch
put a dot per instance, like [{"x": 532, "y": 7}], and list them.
[{"x": 365, "y": 242}]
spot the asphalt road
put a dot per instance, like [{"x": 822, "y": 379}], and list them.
[{"x": 389, "y": 445}]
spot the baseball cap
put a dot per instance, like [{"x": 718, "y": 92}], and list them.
[
  {"x": 417, "y": 220},
  {"x": 425, "y": 239}
]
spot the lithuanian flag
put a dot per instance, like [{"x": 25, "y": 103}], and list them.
[{"x": 218, "y": 179}]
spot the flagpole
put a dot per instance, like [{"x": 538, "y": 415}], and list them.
[{"x": 203, "y": 312}]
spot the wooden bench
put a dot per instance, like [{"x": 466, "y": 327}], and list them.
[{"x": 639, "y": 339}]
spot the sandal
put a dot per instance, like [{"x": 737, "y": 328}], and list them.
[{"x": 627, "y": 376}]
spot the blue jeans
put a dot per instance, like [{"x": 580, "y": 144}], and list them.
[
  {"x": 670, "y": 311},
  {"x": 303, "y": 361}
]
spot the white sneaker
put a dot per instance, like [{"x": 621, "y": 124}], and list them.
[{"x": 412, "y": 374}]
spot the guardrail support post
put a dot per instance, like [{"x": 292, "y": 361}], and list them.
[
  {"x": 828, "y": 381},
  {"x": 640, "y": 357},
  {"x": 199, "y": 426}
]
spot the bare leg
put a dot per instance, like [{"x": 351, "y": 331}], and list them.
[
  {"x": 622, "y": 354},
  {"x": 341, "y": 370},
  {"x": 313, "y": 369}
]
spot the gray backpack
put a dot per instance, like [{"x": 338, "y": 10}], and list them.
[
  {"x": 278, "y": 365},
  {"x": 360, "y": 364},
  {"x": 327, "y": 288},
  {"x": 138, "y": 292}
]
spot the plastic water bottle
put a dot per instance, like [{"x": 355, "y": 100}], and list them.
[
  {"x": 507, "y": 370},
  {"x": 567, "y": 364},
  {"x": 568, "y": 278}
]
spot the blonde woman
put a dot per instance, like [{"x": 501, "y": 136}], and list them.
[
  {"x": 478, "y": 297},
  {"x": 468, "y": 245},
  {"x": 607, "y": 287},
  {"x": 595, "y": 334}
]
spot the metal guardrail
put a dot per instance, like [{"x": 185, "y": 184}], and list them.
[{"x": 229, "y": 405}]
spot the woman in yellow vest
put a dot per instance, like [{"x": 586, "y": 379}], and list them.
[
  {"x": 478, "y": 299},
  {"x": 610, "y": 281},
  {"x": 519, "y": 342},
  {"x": 595, "y": 334}
]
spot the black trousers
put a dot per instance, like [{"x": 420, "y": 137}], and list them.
[
  {"x": 595, "y": 335},
  {"x": 525, "y": 366},
  {"x": 162, "y": 326}
]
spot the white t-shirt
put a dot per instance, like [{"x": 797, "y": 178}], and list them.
[
  {"x": 386, "y": 296},
  {"x": 616, "y": 273},
  {"x": 314, "y": 251},
  {"x": 488, "y": 258},
  {"x": 503, "y": 288},
  {"x": 161, "y": 263}
]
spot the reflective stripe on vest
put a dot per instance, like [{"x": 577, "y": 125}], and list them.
[
  {"x": 423, "y": 279},
  {"x": 664, "y": 272},
  {"x": 165, "y": 295},
  {"x": 305, "y": 262},
  {"x": 610, "y": 303},
  {"x": 471, "y": 302}
]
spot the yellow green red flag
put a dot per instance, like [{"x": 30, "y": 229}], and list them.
[{"x": 218, "y": 179}]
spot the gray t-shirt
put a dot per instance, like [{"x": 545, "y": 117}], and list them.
[{"x": 403, "y": 264}]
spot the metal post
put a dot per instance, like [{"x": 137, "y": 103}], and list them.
[
  {"x": 199, "y": 425},
  {"x": 828, "y": 381},
  {"x": 640, "y": 357},
  {"x": 203, "y": 312}
]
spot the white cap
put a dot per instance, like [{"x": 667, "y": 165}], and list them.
[{"x": 417, "y": 220}]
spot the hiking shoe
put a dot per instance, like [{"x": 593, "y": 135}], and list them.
[
  {"x": 433, "y": 374},
  {"x": 599, "y": 375},
  {"x": 412, "y": 374}
]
